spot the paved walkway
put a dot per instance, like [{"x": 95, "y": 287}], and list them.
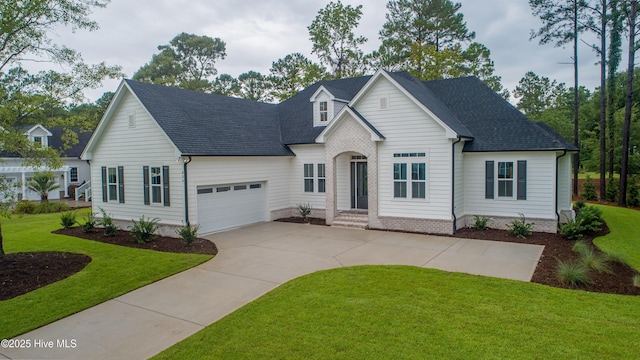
[{"x": 251, "y": 262}]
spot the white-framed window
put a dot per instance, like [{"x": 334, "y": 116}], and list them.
[
  {"x": 73, "y": 174},
  {"x": 156, "y": 185},
  {"x": 321, "y": 178},
  {"x": 505, "y": 179},
  {"x": 308, "y": 178},
  {"x": 413, "y": 186},
  {"x": 112, "y": 183},
  {"x": 37, "y": 140},
  {"x": 324, "y": 111}
]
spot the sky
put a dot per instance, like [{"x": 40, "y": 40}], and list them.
[{"x": 259, "y": 32}]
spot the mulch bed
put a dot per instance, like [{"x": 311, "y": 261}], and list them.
[
  {"x": 298, "y": 220},
  {"x": 21, "y": 273},
  {"x": 556, "y": 248}
]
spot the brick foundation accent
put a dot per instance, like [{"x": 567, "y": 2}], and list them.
[
  {"x": 430, "y": 226},
  {"x": 293, "y": 211},
  {"x": 500, "y": 223}
]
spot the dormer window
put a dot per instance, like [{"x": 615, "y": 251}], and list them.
[
  {"x": 37, "y": 140},
  {"x": 324, "y": 111}
]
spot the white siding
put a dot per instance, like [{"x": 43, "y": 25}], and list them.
[
  {"x": 135, "y": 147},
  {"x": 84, "y": 170},
  {"x": 564, "y": 182},
  {"x": 323, "y": 96},
  {"x": 273, "y": 171},
  {"x": 459, "y": 180},
  {"x": 343, "y": 181},
  {"x": 306, "y": 154},
  {"x": 408, "y": 129},
  {"x": 540, "y": 185}
]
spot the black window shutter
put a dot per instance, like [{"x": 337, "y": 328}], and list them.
[
  {"x": 104, "y": 184},
  {"x": 145, "y": 177},
  {"x": 488, "y": 183},
  {"x": 121, "y": 183},
  {"x": 522, "y": 180},
  {"x": 165, "y": 185}
]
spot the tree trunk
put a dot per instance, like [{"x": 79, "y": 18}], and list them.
[
  {"x": 628, "y": 105},
  {"x": 576, "y": 103},
  {"x": 603, "y": 102}
]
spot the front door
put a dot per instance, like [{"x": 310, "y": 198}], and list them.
[{"x": 359, "y": 182}]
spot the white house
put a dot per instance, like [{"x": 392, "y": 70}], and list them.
[
  {"x": 74, "y": 171},
  {"x": 387, "y": 150}
]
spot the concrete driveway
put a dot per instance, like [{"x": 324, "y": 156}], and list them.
[{"x": 252, "y": 261}]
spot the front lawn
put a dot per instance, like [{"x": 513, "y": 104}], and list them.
[
  {"x": 113, "y": 271},
  {"x": 402, "y": 312},
  {"x": 413, "y": 313}
]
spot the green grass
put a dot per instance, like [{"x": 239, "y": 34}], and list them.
[
  {"x": 623, "y": 238},
  {"x": 113, "y": 271},
  {"x": 382, "y": 312},
  {"x": 385, "y": 312}
]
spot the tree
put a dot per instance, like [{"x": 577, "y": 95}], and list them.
[
  {"x": 255, "y": 86},
  {"x": 632, "y": 16},
  {"x": 25, "y": 36},
  {"x": 294, "y": 73},
  {"x": 615, "y": 55},
  {"x": 334, "y": 42},
  {"x": 537, "y": 94},
  {"x": 226, "y": 85},
  {"x": 43, "y": 183},
  {"x": 562, "y": 23},
  {"x": 411, "y": 25},
  {"x": 188, "y": 62}
]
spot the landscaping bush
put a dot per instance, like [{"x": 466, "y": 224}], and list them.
[
  {"x": 590, "y": 258},
  {"x": 107, "y": 223},
  {"x": 572, "y": 229},
  {"x": 51, "y": 207},
  {"x": 591, "y": 218},
  {"x": 589, "y": 190},
  {"x": 520, "y": 227},
  {"x": 143, "y": 230},
  {"x": 481, "y": 222},
  {"x": 613, "y": 191},
  {"x": 304, "y": 210},
  {"x": 579, "y": 205},
  {"x": 573, "y": 273},
  {"x": 90, "y": 223},
  {"x": 188, "y": 233},
  {"x": 633, "y": 192},
  {"x": 68, "y": 219},
  {"x": 24, "y": 207}
]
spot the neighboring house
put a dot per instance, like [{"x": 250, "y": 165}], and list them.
[
  {"x": 73, "y": 172},
  {"x": 394, "y": 151}
]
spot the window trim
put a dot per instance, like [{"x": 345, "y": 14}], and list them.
[
  {"x": 407, "y": 161},
  {"x": 159, "y": 186},
  {"x": 73, "y": 170},
  {"x": 324, "y": 113},
  {"x": 505, "y": 180},
  {"x": 322, "y": 178},
  {"x": 148, "y": 186},
  {"x": 107, "y": 185},
  {"x": 518, "y": 180},
  {"x": 308, "y": 177}
]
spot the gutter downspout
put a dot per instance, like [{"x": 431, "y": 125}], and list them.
[
  {"x": 453, "y": 183},
  {"x": 556, "y": 197},
  {"x": 186, "y": 160}
]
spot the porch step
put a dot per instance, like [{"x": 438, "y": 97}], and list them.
[{"x": 351, "y": 220}]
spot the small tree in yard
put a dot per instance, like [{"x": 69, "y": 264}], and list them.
[
  {"x": 589, "y": 190},
  {"x": 43, "y": 183}
]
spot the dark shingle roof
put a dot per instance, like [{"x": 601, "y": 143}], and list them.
[
  {"x": 215, "y": 125},
  {"x": 207, "y": 124},
  {"x": 56, "y": 142},
  {"x": 495, "y": 124}
]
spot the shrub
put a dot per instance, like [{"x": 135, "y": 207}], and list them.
[
  {"x": 613, "y": 191},
  {"x": 581, "y": 247},
  {"x": 50, "y": 207},
  {"x": 591, "y": 218},
  {"x": 90, "y": 223},
  {"x": 481, "y": 222},
  {"x": 304, "y": 210},
  {"x": 572, "y": 229},
  {"x": 107, "y": 223},
  {"x": 633, "y": 192},
  {"x": 68, "y": 219},
  {"x": 596, "y": 262},
  {"x": 188, "y": 233},
  {"x": 573, "y": 273},
  {"x": 589, "y": 189},
  {"x": 143, "y": 230},
  {"x": 520, "y": 227},
  {"x": 579, "y": 205},
  {"x": 24, "y": 207}
]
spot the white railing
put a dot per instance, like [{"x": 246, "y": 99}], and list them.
[{"x": 84, "y": 190}]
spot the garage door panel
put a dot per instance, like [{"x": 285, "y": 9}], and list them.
[{"x": 227, "y": 206}]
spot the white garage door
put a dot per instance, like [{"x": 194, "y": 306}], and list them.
[{"x": 227, "y": 206}]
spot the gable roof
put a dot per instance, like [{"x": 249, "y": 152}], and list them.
[
  {"x": 496, "y": 125},
  {"x": 56, "y": 141},
  {"x": 212, "y": 125},
  {"x": 373, "y": 132}
]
